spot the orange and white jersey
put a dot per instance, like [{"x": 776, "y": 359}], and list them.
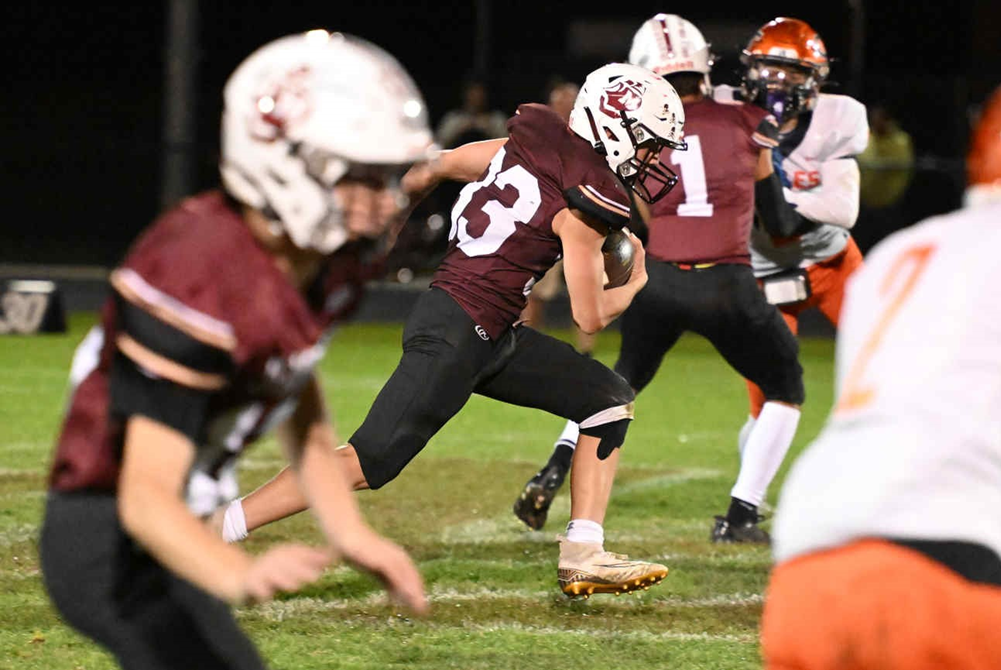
[
  {"x": 821, "y": 180},
  {"x": 912, "y": 448}
]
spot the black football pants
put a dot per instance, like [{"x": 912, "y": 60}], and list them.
[
  {"x": 724, "y": 304},
  {"x": 109, "y": 589},
  {"x": 445, "y": 361}
]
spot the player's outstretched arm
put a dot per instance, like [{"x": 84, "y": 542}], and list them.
[
  {"x": 465, "y": 164},
  {"x": 322, "y": 481},
  {"x": 592, "y": 306},
  {"x": 155, "y": 463}
]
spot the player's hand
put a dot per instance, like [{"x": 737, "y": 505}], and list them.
[
  {"x": 638, "y": 278},
  {"x": 392, "y": 565},
  {"x": 287, "y": 567},
  {"x": 419, "y": 180}
]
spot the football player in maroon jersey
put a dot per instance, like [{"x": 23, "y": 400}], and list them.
[
  {"x": 218, "y": 315},
  {"x": 547, "y": 190},
  {"x": 700, "y": 275}
]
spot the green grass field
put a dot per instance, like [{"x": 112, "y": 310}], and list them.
[{"x": 492, "y": 583}]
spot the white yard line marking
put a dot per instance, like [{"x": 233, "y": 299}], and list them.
[
  {"x": 299, "y": 607},
  {"x": 44, "y": 447},
  {"x": 640, "y": 635},
  {"x": 20, "y": 472},
  {"x": 18, "y": 534}
]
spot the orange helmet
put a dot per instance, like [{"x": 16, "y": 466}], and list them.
[
  {"x": 785, "y": 64},
  {"x": 983, "y": 162}
]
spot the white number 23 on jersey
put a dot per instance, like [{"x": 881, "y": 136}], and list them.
[{"x": 502, "y": 221}]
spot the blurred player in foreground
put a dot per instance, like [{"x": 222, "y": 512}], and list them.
[
  {"x": 549, "y": 188},
  {"x": 807, "y": 263},
  {"x": 700, "y": 274},
  {"x": 887, "y": 541},
  {"x": 219, "y": 314}
]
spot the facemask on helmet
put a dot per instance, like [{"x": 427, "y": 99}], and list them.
[
  {"x": 306, "y": 111},
  {"x": 785, "y": 90},
  {"x": 785, "y": 64},
  {"x": 629, "y": 115}
]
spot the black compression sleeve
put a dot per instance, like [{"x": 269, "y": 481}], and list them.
[{"x": 778, "y": 217}]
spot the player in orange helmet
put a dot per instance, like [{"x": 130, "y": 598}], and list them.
[
  {"x": 815, "y": 200},
  {"x": 897, "y": 564}
]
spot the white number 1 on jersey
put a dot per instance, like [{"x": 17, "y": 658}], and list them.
[{"x": 693, "y": 176}]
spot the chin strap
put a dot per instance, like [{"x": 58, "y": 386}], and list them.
[{"x": 599, "y": 145}]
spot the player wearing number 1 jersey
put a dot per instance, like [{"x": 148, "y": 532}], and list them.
[
  {"x": 700, "y": 274},
  {"x": 887, "y": 542},
  {"x": 544, "y": 191}
]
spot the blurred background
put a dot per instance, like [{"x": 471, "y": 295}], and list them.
[{"x": 112, "y": 109}]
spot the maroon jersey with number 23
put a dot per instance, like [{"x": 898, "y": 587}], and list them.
[{"x": 502, "y": 239}]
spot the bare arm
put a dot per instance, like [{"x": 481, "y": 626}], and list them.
[
  {"x": 155, "y": 464},
  {"x": 583, "y": 267},
  {"x": 465, "y": 164}
]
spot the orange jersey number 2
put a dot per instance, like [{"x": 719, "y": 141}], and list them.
[{"x": 907, "y": 268}]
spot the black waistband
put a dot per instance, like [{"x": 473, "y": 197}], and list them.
[{"x": 970, "y": 560}]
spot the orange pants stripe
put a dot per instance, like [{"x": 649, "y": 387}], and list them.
[
  {"x": 874, "y": 605},
  {"x": 827, "y": 290}
]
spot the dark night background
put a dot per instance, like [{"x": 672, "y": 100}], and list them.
[{"x": 83, "y": 107}]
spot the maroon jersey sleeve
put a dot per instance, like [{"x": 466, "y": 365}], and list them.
[
  {"x": 707, "y": 217},
  {"x": 502, "y": 241},
  {"x": 588, "y": 184}
]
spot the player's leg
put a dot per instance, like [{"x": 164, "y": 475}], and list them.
[
  {"x": 648, "y": 333},
  {"x": 756, "y": 397},
  {"x": 547, "y": 374},
  {"x": 827, "y": 285},
  {"x": 828, "y": 278},
  {"x": 442, "y": 358},
  {"x": 108, "y": 588},
  {"x": 754, "y": 339}
]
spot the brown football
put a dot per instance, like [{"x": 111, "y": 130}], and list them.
[{"x": 618, "y": 254}]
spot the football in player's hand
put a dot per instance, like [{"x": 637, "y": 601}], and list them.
[{"x": 618, "y": 254}]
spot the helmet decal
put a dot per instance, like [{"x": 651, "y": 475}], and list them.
[
  {"x": 625, "y": 96},
  {"x": 284, "y": 103},
  {"x": 303, "y": 111}
]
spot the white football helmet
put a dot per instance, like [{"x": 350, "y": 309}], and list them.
[
  {"x": 622, "y": 107},
  {"x": 668, "y": 44},
  {"x": 305, "y": 110}
]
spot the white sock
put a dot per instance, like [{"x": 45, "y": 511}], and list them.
[
  {"x": 584, "y": 530},
  {"x": 569, "y": 436},
  {"x": 745, "y": 432},
  {"x": 766, "y": 446},
  {"x": 234, "y": 523}
]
